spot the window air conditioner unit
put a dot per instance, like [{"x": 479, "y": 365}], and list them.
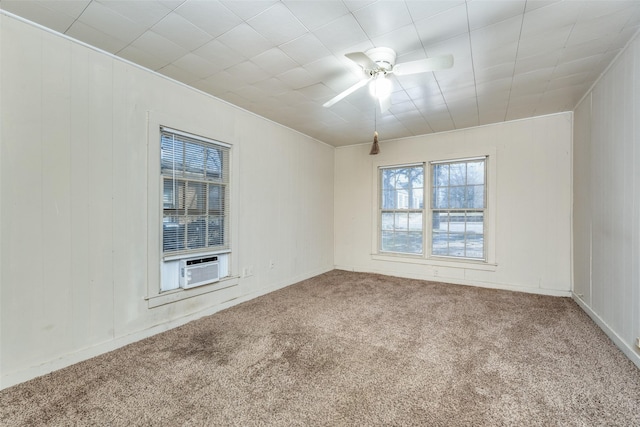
[{"x": 197, "y": 272}]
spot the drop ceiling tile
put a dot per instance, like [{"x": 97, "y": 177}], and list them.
[
  {"x": 500, "y": 54},
  {"x": 274, "y": 61},
  {"x": 314, "y": 14},
  {"x": 277, "y": 24},
  {"x": 420, "y": 9},
  {"x": 341, "y": 81},
  {"x": 536, "y": 62},
  {"x": 404, "y": 40},
  {"x": 111, "y": 23},
  {"x": 317, "y": 92},
  {"x": 90, "y": 35},
  {"x": 256, "y": 95},
  {"x": 340, "y": 33},
  {"x": 218, "y": 53},
  {"x": 326, "y": 67},
  {"x": 569, "y": 80},
  {"x": 210, "y": 16},
  {"x": 196, "y": 65},
  {"x": 179, "y": 74},
  {"x": 596, "y": 9},
  {"x": 306, "y": 48},
  {"x": 596, "y": 28},
  {"x": 161, "y": 47},
  {"x": 245, "y": 40},
  {"x": 39, "y": 14},
  {"x": 147, "y": 13},
  {"x": 224, "y": 81},
  {"x": 71, "y": 8},
  {"x": 555, "y": 15},
  {"x": 403, "y": 107},
  {"x": 483, "y": 13},
  {"x": 458, "y": 46},
  {"x": 577, "y": 66},
  {"x": 498, "y": 72},
  {"x": 494, "y": 36},
  {"x": 248, "y": 72},
  {"x": 448, "y": 24},
  {"x": 549, "y": 41},
  {"x": 297, "y": 78},
  {"x": 182, "y": 32},
  {"x": 493, "y": 86},
  {"x": 383, "y": 17},
  {"x": 272, "y": 86}
]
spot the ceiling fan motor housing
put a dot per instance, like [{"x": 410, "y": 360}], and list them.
[{"x": 384, "y": 57}]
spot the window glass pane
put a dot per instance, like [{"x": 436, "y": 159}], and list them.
[
  {"x": 194, "y": 159},
  {"x": 475, "y": 223},
  {"x": 216, "y": 231},
  {"x": 458, "y": 174},
  {"x": 440, "y": 198},
  {"x": 195, "y": 198},
  {"x": 416, "y": 177},
  {"x": 387, "y": 221},
  {"x": 389, "y": 199},
  {"x": 456, "y": 197},
  {"x": 415, "y": 222},
  {"x": 440, "y": 175},
  {"x": 171, "y": 155},
  {"x": 401, "y": 221},
  {"x": 456, "y": 244},
  {"x": 196, "y": 232},
  {"x": 388, "y": 179},
  {"x": 456, "y": 222},
  {"x": 416, "y": 199},
  {"x": 475, "y": 197},
  {"x": 169, "y": 196},
  {"x": 214, "y": 162},
  {"x": 216, "y": 199},
  {"x": 387, "y": 241},
  {"x": 475, "y": 172},
  {"x": 172, "y": 233}
]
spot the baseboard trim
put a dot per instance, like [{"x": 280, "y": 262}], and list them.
[
  {"x": 19, "y": 376},
  {"x": 476, "y": 283},
  {"x": 628, "y": 350}
]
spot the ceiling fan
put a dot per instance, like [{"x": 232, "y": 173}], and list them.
[{"x": 379, "y": 62}]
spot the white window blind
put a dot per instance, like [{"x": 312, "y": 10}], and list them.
[{"x": 195, "y": 180}]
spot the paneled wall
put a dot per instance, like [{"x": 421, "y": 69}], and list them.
[
  {"x": 80, "y": 253},
  {"x": 606, "y": 205},
  {"x": 529, "y": 218}
]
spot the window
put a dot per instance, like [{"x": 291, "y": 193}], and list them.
[
  {"x": 195, "y": 182},
  {"x": 402, "y": 209},
  {"x": 458, "y": 201}
]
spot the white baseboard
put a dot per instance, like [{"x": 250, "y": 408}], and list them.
[
  {"x": 628, "y": 350},
  {"x": 454, "y": 281},
  {"x": 9, "y": 379}
]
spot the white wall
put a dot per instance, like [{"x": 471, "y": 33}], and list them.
[
  {"x": 606, "y": 183},
  {"x": 80, "y": 247},
  {"x": 530, "y": 221}
]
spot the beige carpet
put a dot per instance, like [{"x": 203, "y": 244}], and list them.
[{"x": 353, "y": 349}]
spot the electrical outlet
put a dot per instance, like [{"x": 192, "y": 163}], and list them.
[{"x": 272, "y": 264}]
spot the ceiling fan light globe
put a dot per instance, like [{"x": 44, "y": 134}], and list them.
[{"x": 380, "y": 87}]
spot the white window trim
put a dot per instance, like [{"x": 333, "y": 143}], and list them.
[
  {"x": 490, "y": 262},
  {"x": 155, "y": 256}
]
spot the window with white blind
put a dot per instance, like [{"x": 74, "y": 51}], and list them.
[{"x": 195, "y": 201}]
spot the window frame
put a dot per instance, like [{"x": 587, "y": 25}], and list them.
[
  {"x": 408, "y": 211},
  {"x": 426, "y": 156},
  {"x": 429, "y": 226}
]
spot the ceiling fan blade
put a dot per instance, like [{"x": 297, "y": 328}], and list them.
[
  {"x": 384, "y": 103},
  {"x": 347, "y": 92},
  {"x": 362, "y": 60},
  {"x": 424, "y": 65}
]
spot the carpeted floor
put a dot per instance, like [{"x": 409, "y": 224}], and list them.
[{"x": 353, "y": 349}]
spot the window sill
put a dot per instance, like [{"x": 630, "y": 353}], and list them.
[
  {"x": 176, "y": 295},
  {"x": 408, "y": 259}
]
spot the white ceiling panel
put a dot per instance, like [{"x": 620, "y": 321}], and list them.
[
  {"x": 285, "y": 59},
  {"x": 288, "y": 27},
  {"x": 383, "y": 17},
  {"x": 210, "y": 16},
  {"x": 315, "y": 14}
]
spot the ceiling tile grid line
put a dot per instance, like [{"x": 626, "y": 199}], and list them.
[{"x": 284, "y": 59}]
